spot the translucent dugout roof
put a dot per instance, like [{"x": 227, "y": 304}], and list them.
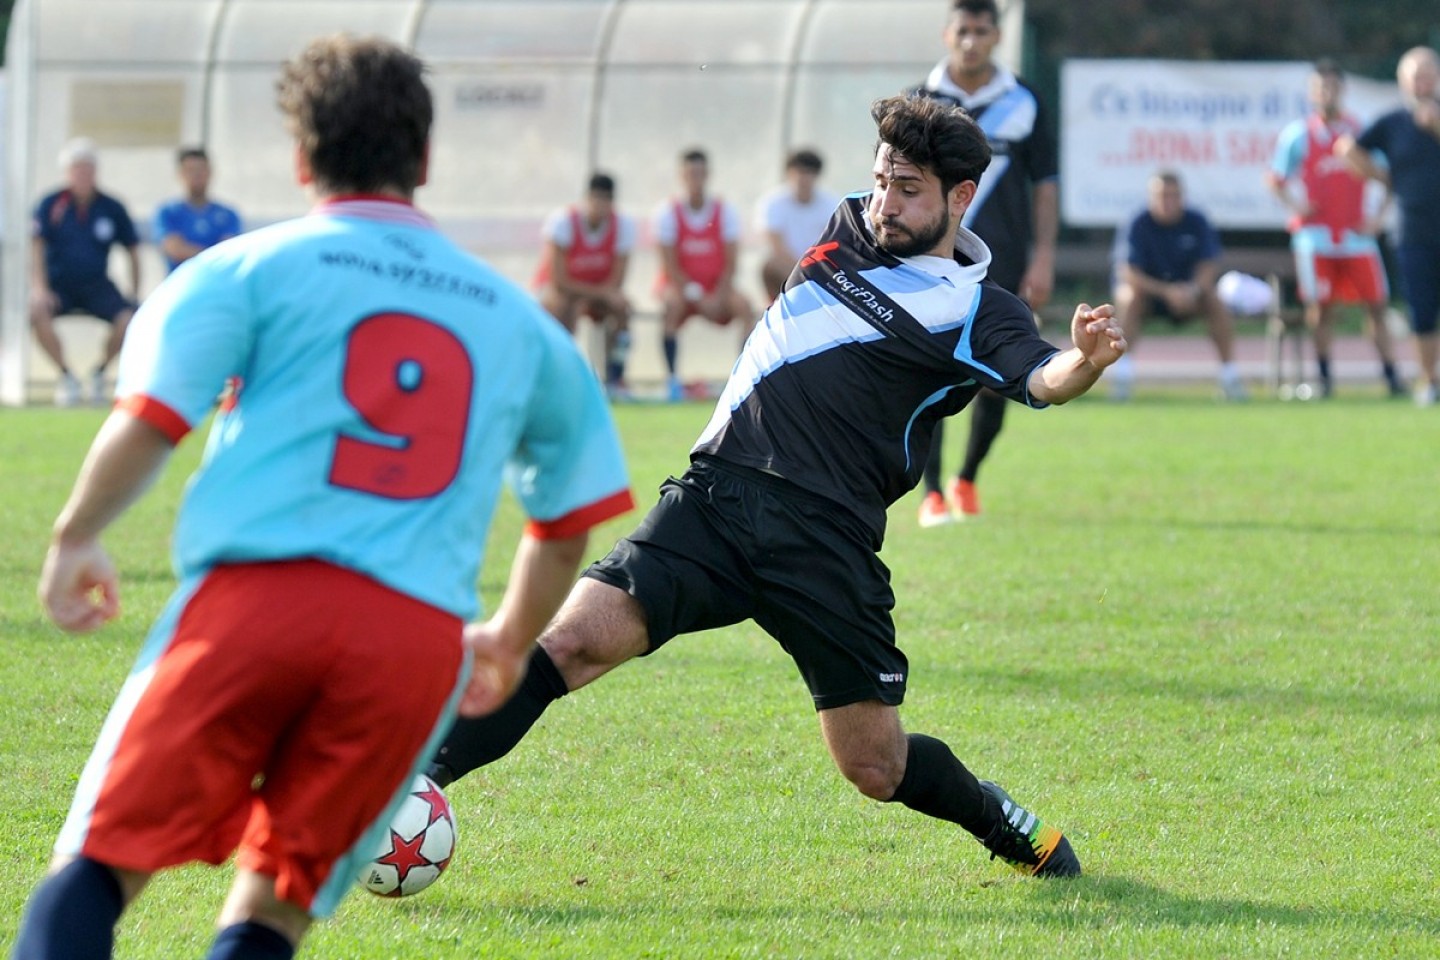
[{"x": 531, "y": 96}]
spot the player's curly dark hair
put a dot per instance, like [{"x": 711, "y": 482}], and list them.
[
  {"x": 934, "y": 135},
  {"x": 359, "y": 109}
]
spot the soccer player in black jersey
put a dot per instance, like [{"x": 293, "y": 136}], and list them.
[
  {"x": 1016, "y": 212},
  {"x": 886, "y": 325}
]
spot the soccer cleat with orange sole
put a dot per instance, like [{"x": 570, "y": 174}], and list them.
[{"x": 1026, "y": 844}]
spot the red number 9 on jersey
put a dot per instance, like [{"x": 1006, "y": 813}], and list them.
[{"x": 411, "y": 380}]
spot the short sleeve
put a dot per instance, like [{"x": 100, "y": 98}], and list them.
[
  {"x": 1210, "y": 248},
  {"x": 1042, "y": 154},
  {"x": 1003, "y": 347},
  {"x": 569, "y": 471},
  {"x": 125, "y": 234},
  {"x": 731, "y": 224},
  {"x": 1289, "y": 151},
  {"x": 767, "y": 213},
  {"x": 233, "y": 226},
  {"x": 625, "y": 234},
  {"x": 190, "y": 336},
  {"x": 666, "y": 229},
  {"x": 1377, "y": 135},
  {"x": 40, "y": 221},
  {"x": 164, "y": 223},
  {"x": 556, "y": 229}
]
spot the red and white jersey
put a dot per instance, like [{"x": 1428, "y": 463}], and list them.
[
  {"x": 699, "y": 237},
  {"x": 590, "y": 254},
  {"x": 1306, "y": 151}
]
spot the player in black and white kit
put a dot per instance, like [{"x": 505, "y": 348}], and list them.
[
  {"x": 1017, "y": 205},
  {"x": 886, "y": 325}
]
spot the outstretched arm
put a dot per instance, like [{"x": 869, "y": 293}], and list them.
[
  {"x": 1099, "y": 342},
  {"x": 540, "y": 578},
  {"x": 78, "y": 584}
]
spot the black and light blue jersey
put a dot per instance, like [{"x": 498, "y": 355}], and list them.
[
  {"x": 840, "y": 386},
  {"x": 1023, "y": 153}
]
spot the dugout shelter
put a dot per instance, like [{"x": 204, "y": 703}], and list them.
[{"x": 531, "y": 96}]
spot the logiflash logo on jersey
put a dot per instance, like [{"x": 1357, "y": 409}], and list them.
[{"x": 840, "y": 282}]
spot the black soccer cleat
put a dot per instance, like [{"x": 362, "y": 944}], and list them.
[{"x": 1026, "y": 844}]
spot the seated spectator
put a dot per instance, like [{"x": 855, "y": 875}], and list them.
[
  {"x": 189, "y": 224},
  {"x": 699, "y": 239},
  {"x": 72, "y": 233},
  {"x": 582, "y": 271},
  {"x": 1167, "y": 260},
  {"x": 791, "y": 216}
]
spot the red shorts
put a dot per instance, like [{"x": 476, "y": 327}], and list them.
[
  {"x": 1340, "y": 277},
  {"x": 277, "y": 708}
]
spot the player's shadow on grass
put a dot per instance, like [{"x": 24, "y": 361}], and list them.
[
  {"x": 1089, "y": 902},
  {"x": 1100, "y": 683},
  {"x": 1097, "y": 900}
]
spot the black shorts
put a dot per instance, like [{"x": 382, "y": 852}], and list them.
[
  {"x": 98, "y": 297},
  {"x": 727, "y": 544}
]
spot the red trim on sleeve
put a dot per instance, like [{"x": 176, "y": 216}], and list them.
[
  {"x": 581, "y": 521},
  {"x": 155, "y": 413}
]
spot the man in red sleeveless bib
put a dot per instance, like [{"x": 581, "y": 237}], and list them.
[
  {"x": 699, "y": 238},
  {"x": 1337, "y": 259},
  {"x": 582, "y": 271}
]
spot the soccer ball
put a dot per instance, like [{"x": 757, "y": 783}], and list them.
[{"x": 417, "y": 847}]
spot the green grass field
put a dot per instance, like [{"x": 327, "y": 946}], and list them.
[{"x": 1202, "y": 639}]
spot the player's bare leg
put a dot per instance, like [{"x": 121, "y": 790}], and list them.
[
  {"x": 560, "y": 306},
  {"x": 1320, "y": 318},
  {"x": 872, "y": 750},
  {"x": 1130, "y": 310},
  {"x": 868, "y": 744},
  {"x": 1222, "y": 331},
  {"x": 116, "y": 339},
  {"x": 42, "y": 321},
  {"x": 598, "y": 628},
  {"x": 252, "y": 903}
]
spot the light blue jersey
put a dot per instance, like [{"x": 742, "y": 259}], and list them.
[
  {"x": 203, "y": 226},
  {"x": 388, "y": 381}
]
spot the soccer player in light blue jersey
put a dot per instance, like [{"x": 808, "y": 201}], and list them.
[{"x": 384, "y": 385}]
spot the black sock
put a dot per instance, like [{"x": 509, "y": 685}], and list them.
[
  {"x": 931, "y": 474},
  {"x": 250, "y": 941},
  {"x": 1324, "y": 364},
  {"x": 1391, "y": 378},
  {"x": 671, "y": 346},
  {"x": 987, "y": 416},
  {"x": 475, "y": 742},
  {"x": 72, "y": 915},
  {"x": 937, "y": 784}
]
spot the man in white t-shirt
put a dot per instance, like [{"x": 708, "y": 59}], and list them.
[
  {"x": 699, "y": 239},
  {"x": 791, "y": 216},
  {"x": 582, "y": 271}
]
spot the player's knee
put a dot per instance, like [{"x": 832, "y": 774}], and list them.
[{"x": 876, "y": 777}]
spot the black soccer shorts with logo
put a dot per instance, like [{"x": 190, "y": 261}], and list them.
[{"x": 727, "y": 543}]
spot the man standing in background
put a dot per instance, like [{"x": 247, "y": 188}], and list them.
[
  {"x": 1409, "y": 138},
  {"x": 1016, "y": 205},
  {"x": 189, "y": 224},
  {"x": 1336, "y": 257}
]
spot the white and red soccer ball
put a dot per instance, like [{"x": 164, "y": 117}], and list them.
[{"x": 418, "y": 845}]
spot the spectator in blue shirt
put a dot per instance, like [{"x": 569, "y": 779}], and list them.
[
  {"x": 185, "y": 226},
  {"x": 1409, "y": 141},
  {"x": 1167, "y": 261},
  {"x": 73, "y": 231}
]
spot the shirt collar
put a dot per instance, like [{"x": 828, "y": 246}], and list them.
[{"x": 939, "y": 81}]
